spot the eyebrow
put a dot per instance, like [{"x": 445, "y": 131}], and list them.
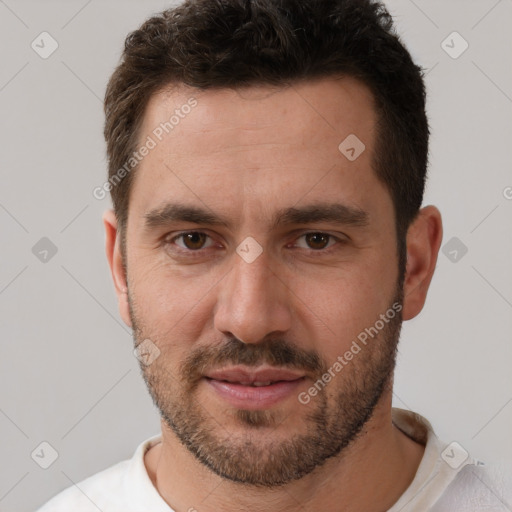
[
  {"x": 309, "y": 214},
  {"x": 322, "y": 212},
  {"x": 174, "y": 212}
]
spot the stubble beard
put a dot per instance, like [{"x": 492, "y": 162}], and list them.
[{"x": 263, "y": 455}]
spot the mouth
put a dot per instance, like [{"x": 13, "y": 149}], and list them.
[{"x": 254, "y": 389}]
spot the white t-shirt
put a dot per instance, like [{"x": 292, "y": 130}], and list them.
[{"x": 448, "y": 479}]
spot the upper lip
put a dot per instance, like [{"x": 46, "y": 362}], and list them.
[{"x": 249, "y": 376}]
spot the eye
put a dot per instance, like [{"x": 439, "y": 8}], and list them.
[
  {"x": 192, "y": 240},
  {"x": 316, "y": 241}
]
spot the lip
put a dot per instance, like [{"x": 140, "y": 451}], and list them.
[
  {"x": 234, "y": 385},
  {"x": 262, "y": 374}
]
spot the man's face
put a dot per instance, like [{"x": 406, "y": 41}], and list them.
[{"x": 280, "y": 252}]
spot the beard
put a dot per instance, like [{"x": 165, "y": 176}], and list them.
[{"x": 335, "y": 416}]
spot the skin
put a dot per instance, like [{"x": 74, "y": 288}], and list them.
[{"x": 245, "y": 155}]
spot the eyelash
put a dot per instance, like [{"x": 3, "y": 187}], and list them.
[{"x": 327, "y": 250}]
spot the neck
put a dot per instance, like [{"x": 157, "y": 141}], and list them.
[{"x": 370, "y": 474}]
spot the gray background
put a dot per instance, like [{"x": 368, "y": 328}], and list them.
[{"x": 67, "y": 372}]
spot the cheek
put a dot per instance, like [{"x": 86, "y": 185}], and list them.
[
  {"x": 340, "y": 307},
  {"x": 170, "y": 305}
]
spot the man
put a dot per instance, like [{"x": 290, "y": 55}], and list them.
[{"x": 267, "y": 162}]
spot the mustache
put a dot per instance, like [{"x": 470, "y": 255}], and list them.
[{"x": 274, "y": 352}]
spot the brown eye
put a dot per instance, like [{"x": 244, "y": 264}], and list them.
[
  {"x": 317, "y": 240},
  {"x": 193, "y": 240}
]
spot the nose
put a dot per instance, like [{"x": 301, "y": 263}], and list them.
[{"x": 253, "y": 301}]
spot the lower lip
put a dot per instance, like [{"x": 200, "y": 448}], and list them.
[{"x": 252, "y": 397}]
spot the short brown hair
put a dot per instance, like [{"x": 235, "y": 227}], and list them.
[{"x": 238, "y": 43}]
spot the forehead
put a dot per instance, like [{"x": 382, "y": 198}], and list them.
[
  {"x": 335, "y": 105},
  {"x": 257, "y": 146}
]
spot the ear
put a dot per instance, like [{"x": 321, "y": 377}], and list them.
[
  {"x": 115, "y": 261},
  {"x": 423, "y": 242}
]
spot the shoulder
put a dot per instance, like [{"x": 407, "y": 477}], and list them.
[
  {"x": 478, "y": 488},
  {"x": 96, "y": 492},
  {"x": 123, "y": 487}
]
